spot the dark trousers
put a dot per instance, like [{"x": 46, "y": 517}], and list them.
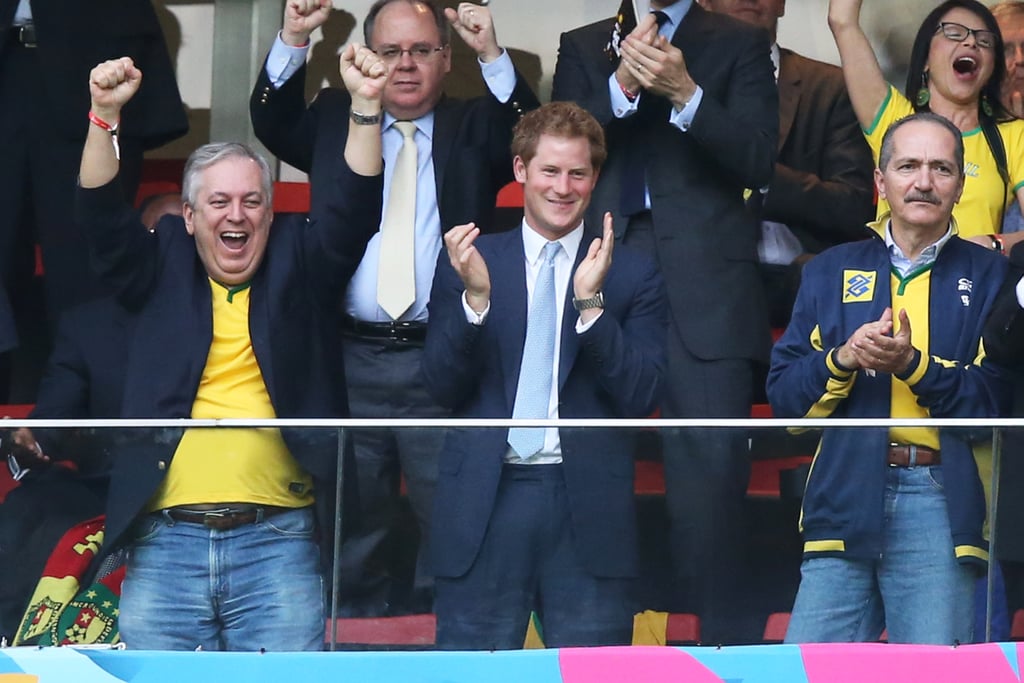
[
  {"x": 385, "y": 381},
  {"x": 37, "y": 190},
  {"x": 706, "y": 477},
  {"x": 528, "y": 562}
]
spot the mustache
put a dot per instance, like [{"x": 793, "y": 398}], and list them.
[{"x": 915, "y": 196}]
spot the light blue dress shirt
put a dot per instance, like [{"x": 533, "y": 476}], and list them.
[{"x": 361, "y": 296}]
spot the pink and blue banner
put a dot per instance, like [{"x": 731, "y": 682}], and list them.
[{"x": 856, "y": 663}]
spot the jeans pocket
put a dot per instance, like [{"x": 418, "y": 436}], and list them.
[
  {"x": 146, "y": 528},
  {"x": 296, "y": 523},
  {"x": 936, "y": 478}
]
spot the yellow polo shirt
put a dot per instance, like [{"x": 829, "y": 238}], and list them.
[{"x": 226, "y": 465}]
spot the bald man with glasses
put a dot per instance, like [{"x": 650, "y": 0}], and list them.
[{"x": 462, "y": 160}]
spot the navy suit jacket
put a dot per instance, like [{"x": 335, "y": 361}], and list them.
[
  {"x": 613, "y": 370},
  {"x": 294, "y": 326},
  {"x": 471, "y": 156},
  {"x": 706, "y": 239}
]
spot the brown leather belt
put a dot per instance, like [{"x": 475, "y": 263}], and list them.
[
  {"x": 901, "y": 455},
  {"x": 226, "y": 518},
  {"x": 24, "y": 35}
]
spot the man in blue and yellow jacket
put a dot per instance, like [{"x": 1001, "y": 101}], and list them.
[{"x": 890, "y": 327}]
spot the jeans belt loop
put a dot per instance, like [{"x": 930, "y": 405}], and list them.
[{"x": 912, "y": 450}]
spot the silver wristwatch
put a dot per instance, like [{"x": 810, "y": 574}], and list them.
[{"x": 596, "y": 301}]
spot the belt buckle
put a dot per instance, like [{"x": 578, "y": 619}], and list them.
[
  {"x": 225, "y": 520},
  {"x": 27, "y": 35}
]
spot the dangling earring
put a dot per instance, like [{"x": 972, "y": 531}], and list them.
[
  {"x": 986, "y": 106},
  {"x": 923, "y": 95}
]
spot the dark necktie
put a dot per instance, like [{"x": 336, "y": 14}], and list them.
[{"x": 634, "y": 179}]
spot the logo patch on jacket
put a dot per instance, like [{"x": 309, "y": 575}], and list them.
[
  {"x": 965, "y": 285},
  {"x": 858, "y": 285}
]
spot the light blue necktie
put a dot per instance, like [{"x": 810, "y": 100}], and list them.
[{"x": 534, "y": 390}]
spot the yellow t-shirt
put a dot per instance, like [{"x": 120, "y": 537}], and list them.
[
  {"x": 218, "y": 465},
  {"x": 911, "y": 293},
  {"x": 981, "y": 207}
]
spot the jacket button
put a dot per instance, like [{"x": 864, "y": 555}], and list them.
[{"x": 161, "y": 465}]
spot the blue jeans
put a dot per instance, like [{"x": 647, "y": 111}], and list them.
[
  {"x": 916, "y": 588},
  {"x": 256, "y": 586}
]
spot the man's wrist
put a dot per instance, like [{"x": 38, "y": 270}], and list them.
[
  {"x": 583, "y": 303},
  {"x": 682, "y": 99},
  {"x": 361, "y": 118},
  {"x": 104, "y": 117},
  {"x": 488, "y": 55},
  {"x": 478, "y": 302},
  {"x": 841, "y": 363},
  {"x": 295, "y": 39},
  {"x": 626, "y": 92}
]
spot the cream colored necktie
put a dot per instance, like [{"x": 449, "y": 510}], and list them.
[{"x": 396, "y": 270}]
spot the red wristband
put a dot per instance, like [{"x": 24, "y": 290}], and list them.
[
  {"x": 112, "y": 129},
  {"x": 631, "y": 96},
  {"x": 96, "y": 120}
]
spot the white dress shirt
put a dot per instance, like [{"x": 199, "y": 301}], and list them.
[{"x": 533, "y": 245}]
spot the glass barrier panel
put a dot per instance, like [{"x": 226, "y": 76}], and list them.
[{"x": 422, "y": 535}]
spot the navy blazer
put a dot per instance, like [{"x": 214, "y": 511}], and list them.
[
  {"x": 84, "y": 378},
  {"x": 471, "y": 156},
  {"x": 294, "y": 326},
  {"x": 613, "y": 370},
  {"x": 706, "y": 239}
]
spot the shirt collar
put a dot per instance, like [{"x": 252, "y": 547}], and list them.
[
  {"x": 533, "y": 242},
  {"x": 424, "y": 124},
  {"x": 927, "y": 255}
]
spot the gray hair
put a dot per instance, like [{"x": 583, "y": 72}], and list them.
[
  {"x": 206, "y": 156},
  {"x": 436, "y": 10},
  {"x": 885, "y": 155}
]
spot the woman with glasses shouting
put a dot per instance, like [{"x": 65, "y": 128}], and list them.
[{"x": 956, "y": 70}]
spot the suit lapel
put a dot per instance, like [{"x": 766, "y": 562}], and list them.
[
  {"x": 445, "y": 124},
  {"x": 789, "y": 93},
  {"x": 508, "y": 302},
  {"x": 690, "y": 36},
  {"x": 570, "y": 344}
]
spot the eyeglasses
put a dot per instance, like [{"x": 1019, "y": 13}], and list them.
[
  {"x": 955, "y": 31},
  {"x": 421, "y": 54}
]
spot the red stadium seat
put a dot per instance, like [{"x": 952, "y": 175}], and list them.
[
  {"x": 1017, "y": 626},
  {"x": 414, "y": 630},
  {"x": 775, "y": 627},
  {"x": 682, "y": 629},
  {"x": 291, "y": 197}
]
